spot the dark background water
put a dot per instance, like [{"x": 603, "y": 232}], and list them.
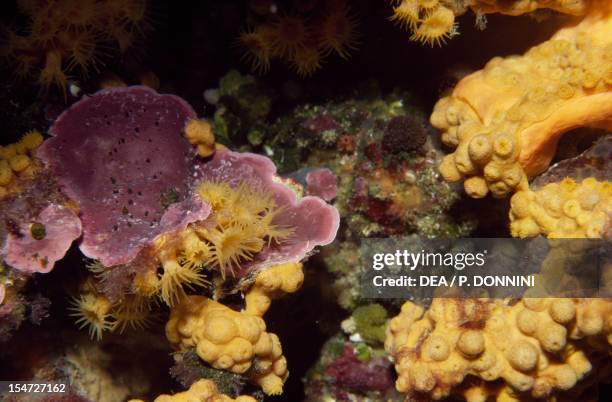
[{"x": 192, "y": 46}]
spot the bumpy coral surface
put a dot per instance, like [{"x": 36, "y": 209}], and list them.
[
  {"x": 564, "y": 210},
  {"x": 202, "y": 390},
  {"x": 199, "y": 133},
  {"x": 272, "y": 283},
  {"x": 229, "y": 340},
  {"x": 534, "y": 346},
  {"x": 505, "y": 120}
]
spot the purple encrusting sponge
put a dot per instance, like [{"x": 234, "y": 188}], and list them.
[{"x": 120, "y": 154}]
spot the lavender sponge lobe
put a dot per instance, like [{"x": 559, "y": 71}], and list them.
[{"x": 119, "y": 155}]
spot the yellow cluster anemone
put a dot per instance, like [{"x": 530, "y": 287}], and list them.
[
  {"x": 563, "y": 210},
  {"x": 432, "y": 22},
  {"x": 201, "y": 390},
  {"x": 504, "y": 121},
  {"x": 64, "y": 37},
  {"x": 243, "y": 218},
  {"x": 200, "y": 134},
  {"x": 481, "y": 349},
  {"x": 256, "y": 45},
  {"x": 301, "y": 40},
  {"x": 96, "y": 312},
  {"x": 229, "y": 340},
  {"x": 240, "y": 225},
  {"x": 92, "y": 311},
  {"x": 17, "y": 162},
  {"x": 180, "y": 269}
]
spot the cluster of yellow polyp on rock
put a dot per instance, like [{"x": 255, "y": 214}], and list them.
[
  {"x": 563, "y": 210},
  {"x": 504, "y": 121},
  {"x": 202, "y": 390},
  {"x": 237, "y": 341},
  {"x": 533, "y": 346},
  {"x": 16, "y": 161},
  {"x": 432, "y": 22}
]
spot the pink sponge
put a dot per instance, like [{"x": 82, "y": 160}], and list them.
[
  {"x": 40, "y": 243},
  {"x": 121, "y": 156},
  {"x": 322, "y": 183},
  {"x": 314, "y": 221}
]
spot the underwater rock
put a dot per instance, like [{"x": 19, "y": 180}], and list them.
[
  {"x": 595, "y": 162},
  {"x": 351, "y": 372}
]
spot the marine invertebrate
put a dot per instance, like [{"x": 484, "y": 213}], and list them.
[
  {"x": 199, "y": 133},
  {"x": 132, "y": 312},
  {"x": 202, "y": 390},
  {"x": 92, "y": 311},
  {"x": 565, "y": 210},
  {"x": 35, "y": 245},
  {"x": 229, "y": 340},
  {"x": 306, "y": 61},
  {"x": 533, "y": 346},
  {"x": 290, "y": 35},
  {"x": 432, "y": 22},
  {"x": 256, "y": 220},
  {"x": 17, "y": 162},
  {"x": 322, "y": 183},
  {"x": 270, "y": 284},
  {"x": 244, "y": 219},
  {"x": 300, "y": 38},
  {"x": 257, "y": 46},
  {"x": 436, "y": 27},
  {"x": 65, "y": 38},
  {"x": 136, "y": 166},
  {"x": 505, "y": 121},
  {"x": 404, "y": 134},
  {"x": 337, "y": 30}
]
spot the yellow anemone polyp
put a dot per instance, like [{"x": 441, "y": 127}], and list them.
[
  {"x": 243, "y": 219},
  {"x": 436, "y": 28},
  {"x": 92, "y": 311}
]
